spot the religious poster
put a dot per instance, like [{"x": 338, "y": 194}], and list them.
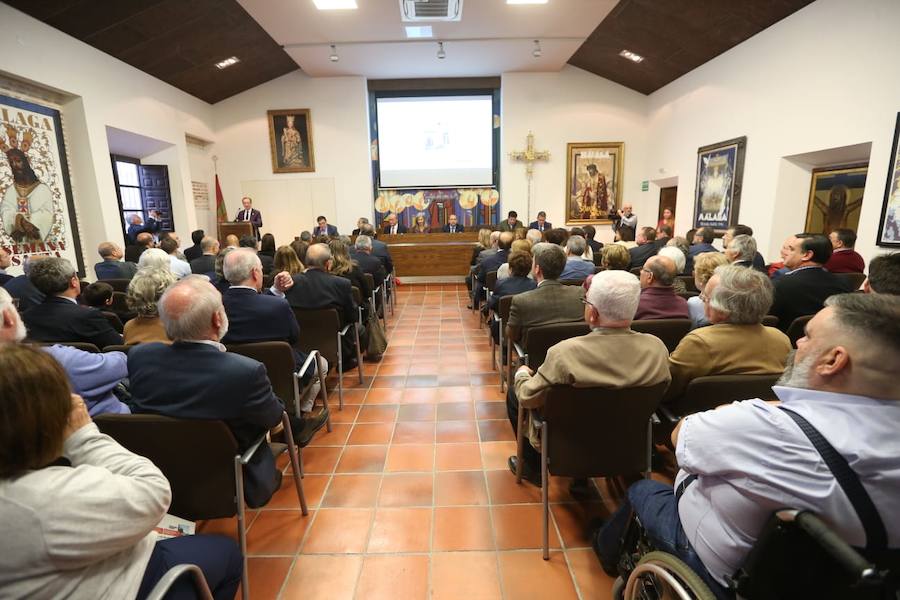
[
  {"x": 594, "y": 176},
  {"x": 37, "y": 215},
  {"x": 835, "y": 198},
  {"x": 720, "y": 170},
  {"x": 290, "y": 139},
  {"x": 889, "y": 226}
]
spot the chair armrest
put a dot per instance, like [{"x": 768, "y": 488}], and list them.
[
  {"x": 309, "y": 360},
  {"x": 666, "y": 414},
  {"x": 162, "y": 587},
  {"x": 520, "y": 353},
  {"x": 346, "y": 328},
  {"x": 246, "y": 456},
  {"x": 537, "y": 419}
]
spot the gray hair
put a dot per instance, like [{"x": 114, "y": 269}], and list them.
[
  {"x": 680, "y": 243},
  {"x": 872, "y": 317},
  {"x": 363, "y": 242},
  {"x": 155, "y": 258},
  {"x": 318, "y": 255},
  {"x": 51, "y": 275},
  {"x": 208, "y": 243},
  {"x": 534, "y": 236},
  {"x": 106, "y": 249},
  {"x": 368, "y": 229},
  {"x": 146, "y": 288},
  {"x": 305, "y": 236},
  {"x": 661, "y": 273},
  {"x": 744, "y": 295},
  {"x": 576, "y": 245},
  {"x": 676, "y": 255},
  {"x": 346, "y": 240},
  {"x": 187, "y": 307},
  {"x": 239, "y": 264},
  {"x": 744, "y": 245},
  {"x": 615, "y": 295}
]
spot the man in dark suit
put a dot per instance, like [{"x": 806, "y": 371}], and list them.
[
  {"x": 248, "y": 214},
  {"x": 60, "y": 318},
  {"x": 195, "y": 251},
  {"x": 646, "y": 247},
  {"x": 316, "y": 288},
  {"x": 512, "y": 222},
  {"x": 323, "y": 228},
  {"x": 663, "y": 235},
  {"x": 266, "y": 317},
  {"x": 802, "y": 290},
  {"x": 452, "y": 226},
  {"x": 112, "y": 266},
  {"x": 379, "y": 248},
  {"x": 133, "y": 251},
  {"x": 702, "y": 242},
  {"x": 393, "y": 227},
  {"x": 5, "y": 262},
  {"x": 541, "y": 224},
  {"x": 360, "y": 223},
  {"x": 268, "y": 262},
  {"x": 367, "y": 262},
  {"x": 491, "y": 263},
  {"x": 759, "y": 263},
  {"x": 206, "y": 263},
  {"x": 195, "y": 378},
  {"x": 21, "y": 288},
  {"x": 137, "y": 226},
  {"x": 590, "y": 232}
]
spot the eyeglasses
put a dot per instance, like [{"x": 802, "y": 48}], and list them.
[
  {"x": 704, "y": 298},
  {"x": 586, "y": 303}
]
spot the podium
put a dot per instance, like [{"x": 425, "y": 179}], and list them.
[{"x": 240, "y": 229}]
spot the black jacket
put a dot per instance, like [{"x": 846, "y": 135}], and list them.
[
  {"x": 803, "y": 292},
  {"x": 60, "y": 320},
  {"x": 197, "y": 381},
  {"x": 204, "y": 264},
  {"x": 21, "y": 288},
  {"x": 459, "y": 228},
  {"x": 372, "y": 265},
  {"x": 193, "y": 253},
  {"x": 317, "y": 289},
  {"x": 640, "y": 254}
]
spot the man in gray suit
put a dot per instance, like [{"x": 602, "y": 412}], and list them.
[{"x": 551, "y": 302}]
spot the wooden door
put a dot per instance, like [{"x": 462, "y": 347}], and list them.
[
  {"x": 155, "y": 193},
  {"x": 667, "y": 199}
]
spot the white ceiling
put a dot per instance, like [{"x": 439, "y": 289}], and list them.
[{"x": 480, "y": 48}]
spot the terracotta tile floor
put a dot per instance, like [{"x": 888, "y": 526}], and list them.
[{"x": 410, "y": 496}]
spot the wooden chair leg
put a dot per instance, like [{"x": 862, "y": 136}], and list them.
[{"x": 545, "y": 484}]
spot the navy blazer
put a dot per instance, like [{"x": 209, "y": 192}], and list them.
[
  {"x": 316, "y": 289},
  {"x": 576, "y": 268},
  {"x": 401, "y": 228},
  {"x": 4, "y": 277},
  {"x": 459, "y": 228},
  {"x": 535, "y": 225},
  {"x": 492, "y": 263},
  {"x": 204, "y": 264},
  {"x": 380, "y": 250},
  {"x": 332, "y": 231},
  {"x": 60, "y": 320},
  {"x": 192, "y": 253},
  {"x": 701, "y": 248},
  {"x": 114, "y": 269},
  {"x": 372, "y": 265},
  {"x": 197, "y": 381},
  {"x": 803, "y": 292},
  {"x": 640, "y": 254},
  {"x": 510, "y": 287},
  {"x": 21, "y": 288}
]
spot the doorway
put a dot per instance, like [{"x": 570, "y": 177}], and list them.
[{"x": 667, "y": 198}]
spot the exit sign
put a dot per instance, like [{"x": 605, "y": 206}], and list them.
[{"x": 645, "y": 185}]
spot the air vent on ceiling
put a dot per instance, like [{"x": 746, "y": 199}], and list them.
[{"x": 431, "y": 10}]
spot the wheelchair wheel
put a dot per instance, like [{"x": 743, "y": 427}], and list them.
[{"x": 661, "y": 575}]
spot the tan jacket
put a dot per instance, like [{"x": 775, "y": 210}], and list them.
[
  {"x": 141, "y": 330},
  {"x": 727, "y": 349},
  {"x": 551, "y": 303},
  {"x": 610, "y": 358}
]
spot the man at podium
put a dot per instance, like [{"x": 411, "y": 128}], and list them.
[{"x": 248, "y": 214}]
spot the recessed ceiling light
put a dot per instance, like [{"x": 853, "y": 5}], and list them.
[
  {"x": 335, "y": 4},
  {"x": 527, "y": 1},
  {"x": 631, "y": 56},
  {"x": 422, "y": 31},
  {"x": 227, "y": 62}
]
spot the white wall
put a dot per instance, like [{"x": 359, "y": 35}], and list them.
[
  {"x": 823, "y": 78},
  {"x": 569, "y": 106},
  {"x": 103, "y": 91},
  {"x": 340, "y": 132}
]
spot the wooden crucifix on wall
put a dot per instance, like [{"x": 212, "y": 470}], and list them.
[{"x": 529, "y": 156}]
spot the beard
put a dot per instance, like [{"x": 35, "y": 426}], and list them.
[{"x": 796, "y": 375}]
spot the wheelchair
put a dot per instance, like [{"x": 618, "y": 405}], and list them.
[{"x": 797, "y": 556}]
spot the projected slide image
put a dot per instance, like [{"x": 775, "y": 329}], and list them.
[{"x": 435, "y": 141}]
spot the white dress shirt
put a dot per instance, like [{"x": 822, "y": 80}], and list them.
[
  {"x": 179, "y": 268},
  {"x": 753, "y": 459}
]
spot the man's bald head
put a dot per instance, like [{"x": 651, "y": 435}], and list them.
[
  {"x": 144, "y": 239},
  {"x": 505, "y": 240},
  {"x": 109, "y": 250},
  {"x": 192, "y": 310},
  {"x": 663, "y": 270},
  {"x": 317, "y": 257}
]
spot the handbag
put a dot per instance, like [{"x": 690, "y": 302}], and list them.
[{"x": 377, "y": 338}]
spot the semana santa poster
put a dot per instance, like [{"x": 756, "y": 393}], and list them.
[{"x": 37, "y": 215}]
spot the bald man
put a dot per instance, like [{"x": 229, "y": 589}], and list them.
[
  {"x": 112, "y": 266},
  {"x": 658, "y": 298}
]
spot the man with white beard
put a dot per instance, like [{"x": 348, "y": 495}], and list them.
[
  {"x": 93, "y": 376},
  {"x": 745, "y": 460}
]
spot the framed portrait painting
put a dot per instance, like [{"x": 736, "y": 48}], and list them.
[
  {"x": 37, "y": 213},
  {"x": 717, "y": 196},
  {"x": 290, "y": 138},
  {"x": 835, "y": 198},
  {"x": 889, "y": 226},
  {"x": 594, "y": 176}
]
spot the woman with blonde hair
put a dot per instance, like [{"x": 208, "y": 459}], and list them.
[
  {"x": 286, "y": 260},
  {"x": 344, "y": 266},
  {"x": 615, "y": 257},
  {"x": 705, "y": 265},
  {"x": 419, "y": 225}
]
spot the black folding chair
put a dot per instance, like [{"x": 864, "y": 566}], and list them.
[
  {"x": 670, "y": 331},
  {"x": 321, "y": 330},
  {"x": 854, "y": 280},
  {"x": 118, "y": 285},
  {"x": 163, "y": 586},
  {"x": 797, "y": 329},
  {"x": 706, "y": 393},
  {"x": 375, "y": 291}
]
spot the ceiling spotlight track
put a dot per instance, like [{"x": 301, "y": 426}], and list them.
[
  {"x": 334, "y": 55},
  {"x": 440, "y": 53},
  {"x": 537, "y": 49}
]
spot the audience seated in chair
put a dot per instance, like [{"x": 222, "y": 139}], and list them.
[
  {"x": 844, "y": 259},
  {"x": 205, "y": 264},
  {"x": 195, "y": 378},
  {"x": 576, "y": 266},
  {"x": 93, "y": 376},
  {"x": 884, "y": 275},
  {"x": 803, "y": 289},
  {"x": 85, "y": 530},
  {"x": 379, "y": 249},
  {"x": 741, "y": 250},
  {"x": 519, "y": 266},
  {"x": 490, "y": 263},
  {"x": 21, "y": 288},
  {"x": 759, "y": 263},
  {"x": 196, "y": 251},
  {"x": 736, "y": 343},
  {"x": 344, "y": 266},
  {"x": 591, "y": 360},
  {"x": 5, "y": 262},
  {"x": 658, "y": 298},
  {"x": 705, "y": 265},
  {"x": 286, "y": 259},
  {"x": 143, "y": 242},
  {"x": 112, "y": 266},
  {"x": 747, "y": 459},
  {"x": 646, "y": 247},
  {"x": 702, "y": 242},
  {"x": 368, "y": 262},
  {"x": 144, "y": 292},
  {"x": 268, "y": 262},
  {"x": 60, "y": 318},
  {"x": 551, "y": 302},
  {"x": 178, "y": 267},
  {"x": 679, "y": 259},
  {"x": 267, "y": 317},
  {"x": 517, "y": 246},
  {"x": 219, "y": 282},
  {"x": 682, "y": 244}
]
